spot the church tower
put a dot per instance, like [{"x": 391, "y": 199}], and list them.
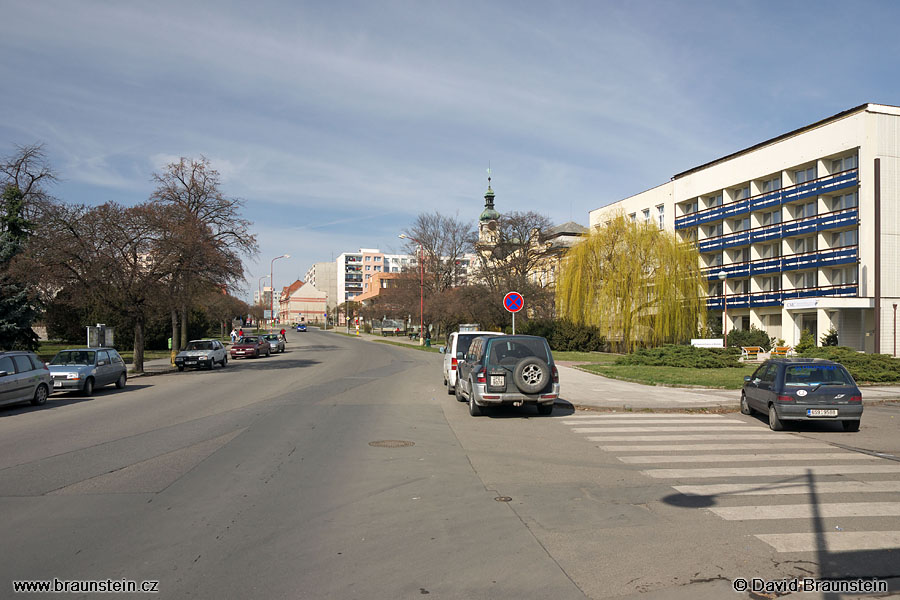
[{"x": 488, "y": 225}]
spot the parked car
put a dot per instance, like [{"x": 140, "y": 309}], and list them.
[
  {"x": 276, "y": 344},
  {"x": 455, "y": 350},
  {"x": 388, "y": 327},
  {"x": 23, "y": 378},
  {"x": 508, "y": 369},
  {"x": 803, "y": 389},
  {"x": 202, "y": 354},
  {"x": 301, "y": 327},
  {"x": 83, "y": 369},
  {"x": 251, "y": 345}
]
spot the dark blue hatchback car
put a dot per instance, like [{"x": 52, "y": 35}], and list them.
[{"x": 803, "y": 389}]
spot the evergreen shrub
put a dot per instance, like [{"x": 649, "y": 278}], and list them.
[{"x": 683, "y": 356}]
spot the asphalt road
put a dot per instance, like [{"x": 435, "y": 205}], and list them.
[{"x": 261, "y": 480}]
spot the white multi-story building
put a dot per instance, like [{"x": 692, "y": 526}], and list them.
[
  {"x": 323, "y": 276},
  {"x": 804, "y": 228}
]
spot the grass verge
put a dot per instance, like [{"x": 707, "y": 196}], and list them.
[
  {"x": 601, "y": 358},
  {"x": 729, "y": 379}
]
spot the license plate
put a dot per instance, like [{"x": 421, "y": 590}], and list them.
[
  {"x": 191, "y": 362},
  {"x": 821, "y": 412},
  {"x": 57, "y": 384},
  {"x": 498, "y": 381}
]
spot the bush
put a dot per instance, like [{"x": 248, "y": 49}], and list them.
[
  {"x": 807, "y": 341},
  {"x": 750, "y": 337},
  {"x": 683, "y": 356},
  {"x": 875, "y": 368},
  {"x": 830, "y": 338},
  {"x": 565, "y": 335}
]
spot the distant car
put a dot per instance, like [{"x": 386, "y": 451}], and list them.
[
  {"x": 23, "y": 378},
  {"x": 251, "y": 345},
  {"x": 454, "y": 351},
  {"x": 276, "y": 344},
  {"x": 803, "y": 389},
  {"x": 202, "y": 354},
  {"x": 83, "y": 369},
  {"x": 508, "y": 369},
  {"x": 301, "y": 327}
]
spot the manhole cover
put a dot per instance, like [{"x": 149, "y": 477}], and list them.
[
  {"x": 503, "y": 499},
  {"x": 392, "y": 443}
]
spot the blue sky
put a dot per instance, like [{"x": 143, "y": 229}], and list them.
[{"x": 339, "y": 122}]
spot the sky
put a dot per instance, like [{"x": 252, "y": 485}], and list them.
[{"x": 337, "y": 123}]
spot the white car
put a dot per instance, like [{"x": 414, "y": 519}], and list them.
[
  {"x": 456, "y": 348},
  {"x": 202, "y": 354}
]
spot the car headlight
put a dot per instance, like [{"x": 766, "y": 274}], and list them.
[
  {"x": 72, "y": 376},
  {"x": 204, "y": 357}
]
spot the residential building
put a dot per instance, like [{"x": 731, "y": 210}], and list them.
[
  {"x": 804, "y": 228},
  {"x": 301, "y": 303},
  {"x": 323, "y": 276}
]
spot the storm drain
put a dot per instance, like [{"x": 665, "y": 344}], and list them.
[
  {"x": 503, "y": 499},
  {"x": 392, "y": 443}
]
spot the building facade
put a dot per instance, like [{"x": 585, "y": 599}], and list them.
[
  {"x": 800, "y": 232},
  {"x": 323, "y": 276},
  {"x": 301, "y": 302}
]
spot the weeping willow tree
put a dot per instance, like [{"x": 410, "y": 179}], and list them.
[{"x": 639, "y": 285}]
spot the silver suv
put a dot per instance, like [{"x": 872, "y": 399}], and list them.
[
  {"x": 23, "y": 378},
  {"x": 509, "y": 369}
]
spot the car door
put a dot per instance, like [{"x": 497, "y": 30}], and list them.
[
  {"x": 751, "y": 390},
  {"x": 8, "y": 381},
  {"x": 449, "y": 352},
  {"x": 25, "y": 379},
  {"x": 464, "y": 367},
  {"x": 765, "y": 389},
  {"x": 104, "y": 368}
]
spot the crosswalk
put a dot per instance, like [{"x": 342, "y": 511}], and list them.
[{"x": 788, "y": 488}]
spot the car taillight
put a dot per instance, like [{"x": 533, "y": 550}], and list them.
[
  {"x": 856, "y": 399},
  {"x": 453, "y": 363},
  {"x": 555, "y": 375},
  {"x": 785, "y": 398},
  {"x": 480, "y": 376}
]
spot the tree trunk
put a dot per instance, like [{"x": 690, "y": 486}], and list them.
[
  {"x": 138, "y": 362},
  {"x": 184, "y": 326},
  {"x": 174, "y": 329}
]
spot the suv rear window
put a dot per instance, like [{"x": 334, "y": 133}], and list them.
[
  {"x": 463, "y": 341},
  {"x": 802, "y": 375},
  {"x": 510, "y": 351}
]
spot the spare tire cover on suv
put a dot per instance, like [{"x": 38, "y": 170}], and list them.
[{"x": 531, "y": 375}]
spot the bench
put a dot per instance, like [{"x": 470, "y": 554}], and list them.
[
  {"x": 782, "y": 350},
  {"x": 750, "y": 352}
]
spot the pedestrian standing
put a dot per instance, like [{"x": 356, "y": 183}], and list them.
[
  {"x": 233, "y": 335},
  {"x": 241, "y": 333},
  {"x": 282, "y": 335}
]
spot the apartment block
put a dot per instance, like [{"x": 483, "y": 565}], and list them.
[{"x": 799, "y": 232}]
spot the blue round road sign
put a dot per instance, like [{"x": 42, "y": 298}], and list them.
[{"x": 513, "y": 302}]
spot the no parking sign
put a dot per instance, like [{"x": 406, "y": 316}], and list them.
[{"x": 513, "y": 302}]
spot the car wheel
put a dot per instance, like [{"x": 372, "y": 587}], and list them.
[
  {"x": 41, "y": 393},
  {"x": 545, "y": 409},
  {"x": 458, "y": 393},
  {"x": 775, "y": 424},
  {"x": 851, "y": 425},
  {"x": 225, "y": 361},
  {"x": 180, "y": 368},
  {"x": 531, "y": 375},
  {"x": 474, "y": 409},
  {"x": 120, "y": 382},
  {"x": 88, "y": 388},
  {"x": 745, "y": 407}
]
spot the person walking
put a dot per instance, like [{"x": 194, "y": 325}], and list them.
[
  {"x": 233, "y": 335},
  {"x": 241, "y": 333},
  {"x": 283, "y": 337}
]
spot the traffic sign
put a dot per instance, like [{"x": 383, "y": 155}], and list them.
[{"x": 513, "y": 302}]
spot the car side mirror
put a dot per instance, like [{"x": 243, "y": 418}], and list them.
[
  {"x": 4, "y": 373},
  {"x": 746, "y": 378},
  {"x": 442, "y": 349},
  {"x": 101, "y": 363},
  {"x": 460, "y": 355}
]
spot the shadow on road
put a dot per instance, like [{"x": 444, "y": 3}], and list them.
[
  {"x": 560, "y": 409},
  {"x": 60, "y": 399}
]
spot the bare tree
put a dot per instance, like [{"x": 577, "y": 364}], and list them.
[
  {"x": 506, "y": 263},
  {"x": 29, "y": 171},
  {"x": 445, "y": 240}
]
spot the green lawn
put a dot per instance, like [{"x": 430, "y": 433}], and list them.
[
  {"x": 730, "y": 379},
  {"x": 602, "y": 358}
]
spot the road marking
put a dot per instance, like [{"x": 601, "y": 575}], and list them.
[
  {"x": 834, "y": 541},
  {"x": 788, "y": 487},
  {"x": 701, "y": 458},
  {"x": 643, "y": 416},
  {"x": 654, "y": 421},
  {"x": 798, "y": 470},
  {"x": 678, "y": 447},
  {"x": 704, "y": 427},
  {"x": 737, "y": 436},
  {"x": 808, "y": 511}
]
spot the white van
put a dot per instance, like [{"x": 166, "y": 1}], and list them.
[{"x": 457, "y": 345}]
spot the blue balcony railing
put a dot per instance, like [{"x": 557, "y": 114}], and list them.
[
  {"x": 793, "y": 262},
  {"x": 778, "y": 297},
  {"x": 804, "y": 226},
  {"x": 823, "y": 185}
]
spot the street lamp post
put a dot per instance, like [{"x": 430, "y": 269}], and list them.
[
  {"x": 722, "y": 276},
  {"x": 272, "y": 283},
  {"x": 421, "y": 261}
]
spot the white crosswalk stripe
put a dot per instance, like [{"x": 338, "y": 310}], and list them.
[{"x": 756, "y": 457}]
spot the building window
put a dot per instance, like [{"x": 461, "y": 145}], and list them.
[
  {"x": 689, "y": 207},
  {"x": 742, "y": 255},
  {"x": 807, "y": 244},
  {"x": 740, "y": 224},
  {"x": 844, "y": 276},
  {"x": 809, "y": 279},
  {"x": 806, "y": 210},
  {"x": 770, "y": 185},
  {"x": 714, "y": 201},
  {"x": 771, "y": 218},
  {"x": 770, "y": 284},
  {"x": 661, "y": 214},
  {"x": 843, "y": 164},
  {"x": 770, "y": 251},
  {"x": 739, "y": 286},
  {"x": 646, "y": 215},
  {"x": 714, "y": 260},
  {"x": 378, "y": 268},
  {"x": 632, "y": 217},
  {"x": 804, "y": 175},
  {"x": 715, "y": 289},
  {"x": 368, "y": 268},
  {"x": 714, "y": 230},
  {"x": 741, "y": 193},
  {"x": 689, "y": 235},
  {"x": 846, "y": 201},
  {"x": 845, "y": 238}
]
